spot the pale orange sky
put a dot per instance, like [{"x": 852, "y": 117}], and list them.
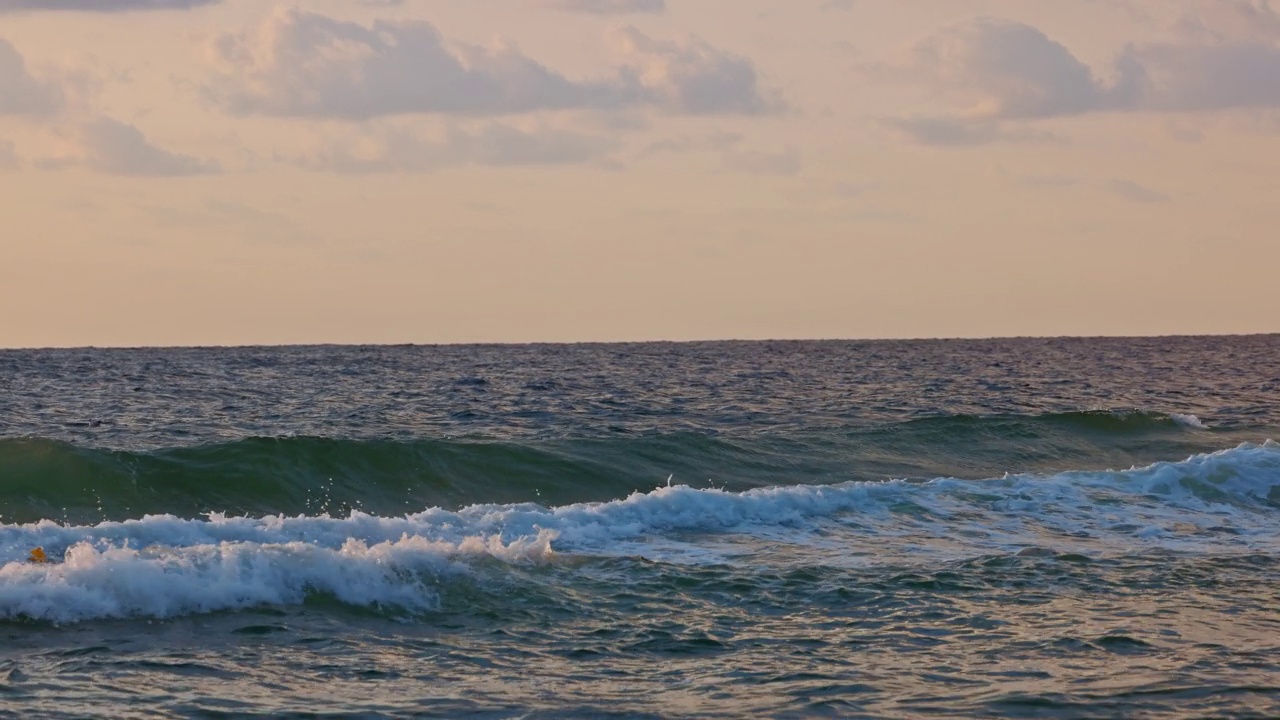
[{"x": 180, "y": 172}]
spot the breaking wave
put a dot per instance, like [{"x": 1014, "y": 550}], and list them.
[
  {"x": 167, "y": 565},
  {"x": 52, "y": 479}
]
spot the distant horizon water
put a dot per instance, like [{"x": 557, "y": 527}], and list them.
[{"x": 689, "y": 341}]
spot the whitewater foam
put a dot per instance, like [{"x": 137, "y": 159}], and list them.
[
  {"x": 1190, "y": 421},
  {"x": 118, "y": 582}
]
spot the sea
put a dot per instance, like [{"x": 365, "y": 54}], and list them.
[{"x": 1023, "y": 528}]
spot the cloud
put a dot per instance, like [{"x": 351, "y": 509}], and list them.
[
  {"x": 1134, "y": 192},
  {"x": 964, "y": 132},
  {"x": 1204, "y": 78},
  {"x": 993, "y": 70},
  {"x": 8, "y": 155},
  {"x": 1005, "y": 70},
  {"x": 787, "y": 162},
  {"x": 678, "y": 145},
  {"x": 301, "y": 64},
  {"x": 249, "y": 223},
  {"x": 304, "y": 64},
  {"x": 681, "y": 144},
  {"x": 606, "y": 7},
  {"x": 1048, "y": 181},
  {"x": 1184, "y": 134},
  {"x": 7, "y": 6},
  {"x": 20, "y": 92},
  {"x": 112, "y": 147},
  {"x": 1229, "y": 21},
  {"x": 695, "y": 78},
  {"x": 404, "y": 150}
]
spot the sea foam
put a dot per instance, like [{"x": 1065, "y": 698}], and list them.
[{"x": 1187, "y": 420}]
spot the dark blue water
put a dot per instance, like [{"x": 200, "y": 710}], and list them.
[{"x": 1018, "y": 528}]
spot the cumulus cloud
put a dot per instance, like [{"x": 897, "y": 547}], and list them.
[
  {"x": 303, "y": 64},
  {"x": 1001, "y": 69},
  {"x": 694, "y": 77},
  {"x": 112, "y": 147},
  {"x": 21, "y": 93},
  {"x": 606, "y": 7},
  {"x": 994, "y": 71},
  {"x": 7, "y": 6},
  {"x": 405, "y": 150}
]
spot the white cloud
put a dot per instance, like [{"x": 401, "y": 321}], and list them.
[
  {"x": 102, "y": 144},
  {"x": 100, "y": 5},
  {"x": 405, "y": 150},
  {"x": 1001, "y": 69},
  {"x": 112, "y": 147},
  {"x": 304, "y": 64},
  {"x": 695, "y": 78},
  {"x": 992, "y": 71},
  {"x": 606, "y": 7},
  {"x": 20, "y": 92}
]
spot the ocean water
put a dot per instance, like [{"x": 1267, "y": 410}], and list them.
[{"x": 1019, "y": 528}]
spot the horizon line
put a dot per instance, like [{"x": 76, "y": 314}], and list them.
[{"x": 571, "y": 343}]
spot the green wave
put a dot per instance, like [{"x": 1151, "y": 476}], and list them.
[{"x": 47, "y": 479}]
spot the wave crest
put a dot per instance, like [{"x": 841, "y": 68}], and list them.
[
  {"x": 161, "y": 566},
  {"x": 57, "y": 480}
]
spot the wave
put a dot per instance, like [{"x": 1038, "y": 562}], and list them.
[
  {"x": 50, "y": 479},
  {"x": 122, "y": 581},
  {"x": 56, "y": 480},
  {"x": 1190, "y": 421},
  {"x": 1115, "y": 422},
  {"x": 162, "y": 566}
]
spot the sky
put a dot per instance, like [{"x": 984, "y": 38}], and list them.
[{"x": 224, "y": 172}]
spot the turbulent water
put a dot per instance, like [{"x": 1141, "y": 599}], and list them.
[{"x": 1021, "y": 528}]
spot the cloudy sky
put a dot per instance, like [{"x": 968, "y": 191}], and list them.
[{"x": 234, "y": 171}]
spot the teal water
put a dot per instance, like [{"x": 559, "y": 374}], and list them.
[{"x": 1020, "y": 528}]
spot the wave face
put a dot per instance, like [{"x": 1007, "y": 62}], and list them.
[
  {"x": 158, "y": 566},
  {"x": 54, "y": 479}
]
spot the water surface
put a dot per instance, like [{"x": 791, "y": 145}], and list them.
[{"x": 1018, "y": 528}]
